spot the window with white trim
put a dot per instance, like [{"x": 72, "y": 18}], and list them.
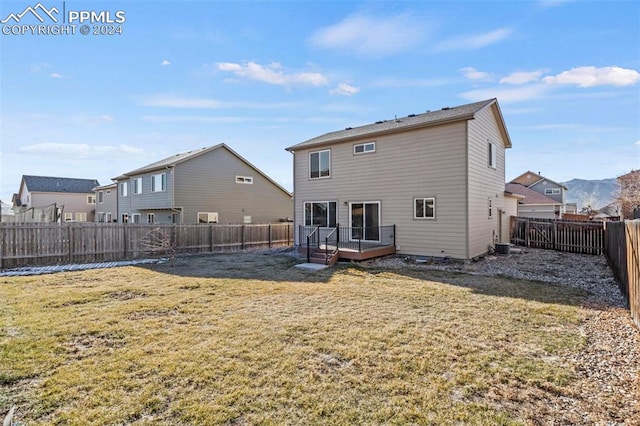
[
  {"x": 364, "y": 148},
  {"x": 424, "y": 208},
  {"x": 68, "y": 217},
  {"x": 320, "y": 164},
  {"x": 124, "y": 189},
  {"x": 100, "y": 197},
  {"x": 552, "y": 191},
  {"x": 137, "y": 186},
  {"x": 101, "y": 217},
  {"x": 490, "y": 205},
  {"x": 81, "y": 217},
  {"x": 492, "y": 155},
  {"x": 125, "y": 218},
  {"x": 107, "y": 217},
  {"x": 208, "y": 217},
  {"x": 91, "y": 199},
  {"x": 135, "y": 218},
  {"x": 320, "y": 213},
  {"x": 151, "y": 218},
  {"x": 244, "y": 179},
  {"x": 159, "y": 182}
]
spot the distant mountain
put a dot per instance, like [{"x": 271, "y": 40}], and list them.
[{"x": 593, "y": 193}]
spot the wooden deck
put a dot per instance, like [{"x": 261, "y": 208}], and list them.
[
  {"x": 353, "y": 254},
  {"x": 365, "y": 254}
]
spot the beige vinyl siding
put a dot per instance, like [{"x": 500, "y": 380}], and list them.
[
  {"x": 421, "y": 163},
  {"x": 69, "y": 202},
  {"x": 510, "y": 210},
  {"x": 485, "y": 182},
  {"x": 207, "y": 183}
]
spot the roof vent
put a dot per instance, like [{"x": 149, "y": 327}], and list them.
[
  {"x": 411, "y": 115},
  {"x": 446, "y": 108},
  {"x": 348, "y": 128},
  {"x": 379, "y": 122}
]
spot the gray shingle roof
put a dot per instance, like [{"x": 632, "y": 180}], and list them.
[
  {"x": 169, "y": 161},
  {"x": 530, "y": 196},
  {"x": 462, "y": 112},
  {"x": 59, "y": 184}
]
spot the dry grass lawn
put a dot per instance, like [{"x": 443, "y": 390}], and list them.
[{"x": 246, "y": 339}]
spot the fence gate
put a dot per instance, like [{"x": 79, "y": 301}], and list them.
[{"x": 562, "y": 235}]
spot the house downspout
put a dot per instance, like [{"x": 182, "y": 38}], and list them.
[{"x": 466, "y": 184}]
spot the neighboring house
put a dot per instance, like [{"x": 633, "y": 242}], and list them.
[
  {"x": 106, "y": 203},
  {"x": 534, "y": 204},
  {"x": 207, "y": 185},
  {"x": 428, "y": 184},
  {"x": 74, "y": 198},
  {"x": 545, "y": 186}
]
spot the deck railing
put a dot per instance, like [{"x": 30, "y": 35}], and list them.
[{"x": 351, "y": 238}]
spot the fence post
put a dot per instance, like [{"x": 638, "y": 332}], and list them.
[
  {"x": 527, "y": 240},
  {"x": 554, "y": 236},
  {"x": 242, "y": 237},
  {"x": 269, "y": 235},
  {"x": 124, "y": 240},
  {"x": 70, "y": 238},
  {"x": 211, "y": 238}
]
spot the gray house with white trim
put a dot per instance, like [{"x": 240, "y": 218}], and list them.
[
  {"x": 429, "y": 184},
  {"x": 208, "y": 185}
]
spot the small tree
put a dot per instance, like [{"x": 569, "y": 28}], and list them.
[
  {"x": 159, "y": 241},
  {"x": 629, "y": 194}
]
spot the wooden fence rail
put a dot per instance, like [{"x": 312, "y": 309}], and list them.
[
  {"x": 561, "y": 235},
  {"x": 23, "y": 244},
  {"x": 622, "y": 248}
]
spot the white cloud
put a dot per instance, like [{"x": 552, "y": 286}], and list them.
[
  {"x": 272, "y": 74},
  {"x": 79, "y": 151},
  {"x": 521, "y": 77},
  {"x": 638, "y": 143},
  {"x": 36, "y": 68},
  {"x": 592, "y": 76},
  {"x": 165, "y": 63},
  {"x": 179, "y": 102},
  {"x": 507, "y": 95},
  {"x": 369, "y": 36},
  {"x": 344, "y": 89},
  {"x": 56, "y": 75},
  {"x": 473, "y": 74},
  {"x": 474, "y": 41},
  {"x": 552, "y": 3}
]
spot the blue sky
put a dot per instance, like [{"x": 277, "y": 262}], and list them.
[{"x": 262, "y": 76}]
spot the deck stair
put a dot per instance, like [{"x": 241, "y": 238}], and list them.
[{"x": 321, "y": 256}]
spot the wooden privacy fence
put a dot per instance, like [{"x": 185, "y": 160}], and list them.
[
  {"x": 24, "y": 244},
  {"x": 561, "y": 235},
  {"x": 622, "y": 248}
]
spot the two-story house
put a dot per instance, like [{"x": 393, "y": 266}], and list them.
[
  {"x": 208, "y": 185},
  {"x": 73, "y": 198},
  {"x": 106, "y": 203},
  {"x": 553, "y": 203},
  {"x": 428, "y": 184}
]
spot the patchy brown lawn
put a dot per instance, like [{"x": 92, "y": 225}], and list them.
[{"x": 246, "y": 338}]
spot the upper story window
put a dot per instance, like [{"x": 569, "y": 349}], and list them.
[
  {"x": 552, "y": 191},
  {"x": 124, "y": 188},
  {"x": 244, "y": 179},
  {"x": 100, "y": 197},
  {"x": 137, "y": 186},
  {"x": 492, "y": 155},
  {"x": 319, "y": 164},
  {"x": 159, "y": 182},
  {"x": 91, "y": 199},
  {"x": 424, "y": 208},
  {"x": 364, "y": 148}
]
